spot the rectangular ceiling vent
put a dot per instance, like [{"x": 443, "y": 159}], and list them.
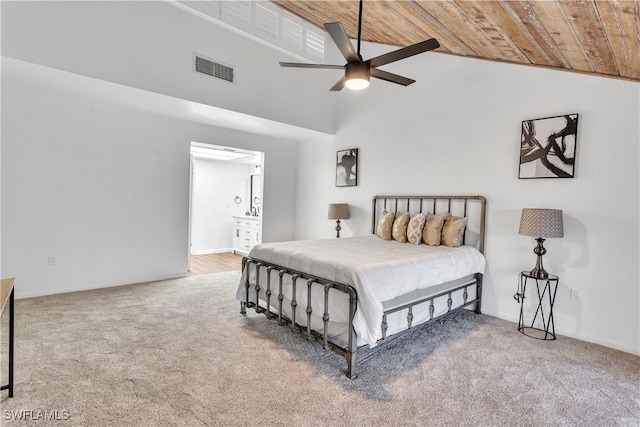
[{"x": 214, "y": 69}]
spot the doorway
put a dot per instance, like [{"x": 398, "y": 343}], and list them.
[{"x": 225, "y": 190}]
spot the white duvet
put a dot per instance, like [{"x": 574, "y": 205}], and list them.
[{"x": 379, "y": 270}]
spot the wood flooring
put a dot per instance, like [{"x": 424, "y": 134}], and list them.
[{"x": 214, "y": 263}]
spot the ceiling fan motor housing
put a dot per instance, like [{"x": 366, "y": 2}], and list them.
[{"x": 357, "y": 70}]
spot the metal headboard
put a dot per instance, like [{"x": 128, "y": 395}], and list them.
[{"x": 472, "y": 207}]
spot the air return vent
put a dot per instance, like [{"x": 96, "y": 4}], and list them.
[{"x": 214, "y": 69}]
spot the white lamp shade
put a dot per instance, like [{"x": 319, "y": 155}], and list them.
[
  {"x": 543, "y": 223},
  {"x": 338, "y": 211}
]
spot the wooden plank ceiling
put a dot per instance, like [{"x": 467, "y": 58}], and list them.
[{"x": 600, "y": 37}]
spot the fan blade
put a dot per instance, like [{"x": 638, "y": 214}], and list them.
[
  {"x": 339, "y": 85},
  {"x": 303, "y": 65},
  {"x": 341, "y": 39},
  {"x": 390, "y": 77},
  {"x": 405, "y": 52}
]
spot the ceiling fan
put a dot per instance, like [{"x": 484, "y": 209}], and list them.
[{"x": 358, "y": 72}]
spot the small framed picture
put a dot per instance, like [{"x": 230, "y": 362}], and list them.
[
  {"x": 347, "y": 168},
  {"x": 548, "y": 147}
]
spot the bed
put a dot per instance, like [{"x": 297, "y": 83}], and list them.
[{"x": 357, "y": 295}]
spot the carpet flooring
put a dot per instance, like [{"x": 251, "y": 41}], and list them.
[{"x": 178, "y": 353}]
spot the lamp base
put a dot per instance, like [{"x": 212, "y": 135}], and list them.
[
  {"x": 539, "y": 271},
  {"x": 539, "y": 274},
  {"x": 338, "y": 228}
]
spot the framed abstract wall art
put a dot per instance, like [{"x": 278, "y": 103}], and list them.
[
  {"x": 347, "y": 168},
  {"x": 548, "y": 147}
]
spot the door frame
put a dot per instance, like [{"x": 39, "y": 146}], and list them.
[{"x": 192, "y": 170}]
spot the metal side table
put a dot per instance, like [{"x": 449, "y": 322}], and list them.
[
  {"x": 546, "y": 288},
  {"x": 6, "y": 295}
]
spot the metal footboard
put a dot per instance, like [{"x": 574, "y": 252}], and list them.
[
  {"x": 348, "y": 352},
  {"x": 351, "y": 349}
]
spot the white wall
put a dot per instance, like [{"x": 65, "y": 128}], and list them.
[
  {"x": 457, "y": 131},
  {"x": 215, "y": 186},
  {"x": 150, "y": 45},
  {"x": 90, "y": 175},
  {"x": 106, "y": 189}
]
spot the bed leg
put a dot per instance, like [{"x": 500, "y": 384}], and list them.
[
  {"x": 352, "y": 346},
  {"x": 258, "y": 288},
  {"x": 479, "y": 277},
  {"x": 309, "y": 309},
  {"x": 280, "y": 298},
  {"x": 325, "y": 317},
  {"x": 269, "y": 315},
  {"x": 351, "y": 365},
  {"x": 294, "y": 302},
  {"x": 245, "y": 267},
  {"x": 384, "y": 326}
]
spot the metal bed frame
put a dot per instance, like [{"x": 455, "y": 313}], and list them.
[{"x": 456, "y": 205}]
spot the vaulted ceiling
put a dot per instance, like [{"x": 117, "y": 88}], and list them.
[{"x": 600, "y": 37}]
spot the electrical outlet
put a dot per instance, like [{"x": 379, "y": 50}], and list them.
[
  {"x": 574, "y": 294},
  {"x": 53, "y": 259}
]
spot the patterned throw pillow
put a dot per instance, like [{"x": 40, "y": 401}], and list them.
[
  {"x": 399, "y": 231},
  {"x": 385, "y": 223},
  {"x": 432, "y": 232},
  {"x": 414, "y": 229},
  {"x": 453, "y": 230}
]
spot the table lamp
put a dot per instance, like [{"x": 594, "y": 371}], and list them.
[
  {"x": 541, "y": 224},
  {"x": 338, "y": 211}
]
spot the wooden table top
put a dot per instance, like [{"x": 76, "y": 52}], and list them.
[{"x": 6, "y": 285}]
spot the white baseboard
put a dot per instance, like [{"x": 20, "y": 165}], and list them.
[
  {"x": 55, "y": 291},
  {"x": 570, "y": 333}
]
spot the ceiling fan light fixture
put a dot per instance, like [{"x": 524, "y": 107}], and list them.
[
  {"x": 357, "y": 72},
  {"x": 357, "y": 84},
  {"x": 357, "y": 75}
]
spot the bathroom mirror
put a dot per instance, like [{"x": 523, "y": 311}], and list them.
[{"x": 255, "y": 200}]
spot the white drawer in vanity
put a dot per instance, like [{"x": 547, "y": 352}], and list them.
[{"x": 246, "y": 233}]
